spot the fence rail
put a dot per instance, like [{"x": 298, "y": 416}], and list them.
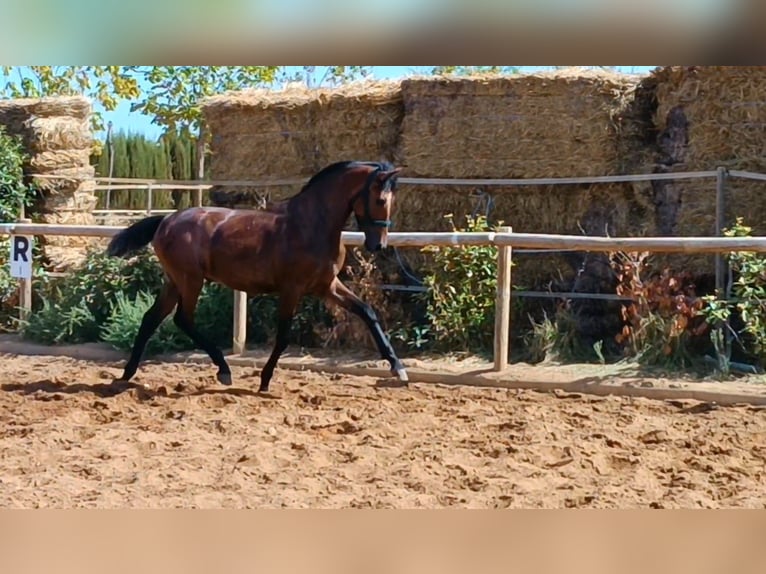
[
  {"x": 196, "y": 184},
  {"x": 505, "y": 239},
  {"x": 540, "y": 241}
]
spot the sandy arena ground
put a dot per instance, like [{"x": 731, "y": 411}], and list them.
[{"x": 71, "y": 438}]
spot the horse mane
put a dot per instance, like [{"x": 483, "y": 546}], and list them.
[{"x": 340, "y": 166}]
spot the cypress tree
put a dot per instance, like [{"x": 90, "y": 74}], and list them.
[{"x": 173, "y": 156}]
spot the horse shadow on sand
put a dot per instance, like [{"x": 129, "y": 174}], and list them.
[{"x": 117, "y": 387}]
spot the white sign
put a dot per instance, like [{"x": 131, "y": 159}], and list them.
[{"x": 21, "y": 256}]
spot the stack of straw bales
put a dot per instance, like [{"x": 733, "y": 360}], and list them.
[
  {"x": 295, "y": 132},
  {"x": 706, "y": 117},
  {"x": 57, "y": 137},
  {"x": 711, "y": 116},
  {"x": 544, "y": 125},
  {"x": 570, "y": 122}
]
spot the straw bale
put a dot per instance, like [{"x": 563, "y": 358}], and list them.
[
  {"x": 67, "y": 181},
  {"x": 725, "y": 107},
  {"x": 570, "y": 122},
  {"x": 525, "y": 126},
  {"x": 79, "y": 201},
  {"x": 20, "y": 116},
  {"x": 78, "y": 107},
  {"x": 706, "y": 117},
  {"x": 69, "y": 216},
  {"x": 60, "y": 134},
  {"x": 256, "y": 197},
  {"x": 13, "y": 117},
  {"x": 65, "y": 251},
  {"x": 292, "y": 133},
  {"x": 62, "y": 258},
  {"x": 52, "y": 162}
]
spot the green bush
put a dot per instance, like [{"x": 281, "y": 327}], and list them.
[
  {"x": 125, "y": 319},
  {"x": 13, "y": 191},
  {"x": 76, "y": 307},
  {"x": 748, "y": 307},
  {"x": 13, "y": 194},
  {"x": 461, "y": 293},
  {"x": 52, "y": 324}
]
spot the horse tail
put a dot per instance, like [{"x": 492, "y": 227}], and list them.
[{"x": 134, "y": 237}]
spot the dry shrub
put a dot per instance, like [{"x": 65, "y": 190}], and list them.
[
  {"x": 661, "y": 324},
  {"x": 363, "y": 277}
]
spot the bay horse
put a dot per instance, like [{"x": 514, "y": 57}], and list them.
[{"x": 292, "y": 249}]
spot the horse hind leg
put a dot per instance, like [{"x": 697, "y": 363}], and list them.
[
  {"x": 184, "y": 319},
  {"x": 288, "y": 301},
  {"x": 163, "y": 305}
]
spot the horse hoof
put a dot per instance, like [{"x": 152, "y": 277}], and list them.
[
  {"x": 402, "y": 374},
  {"x": 224, "y": 378},
  {"x": 263, "y": 389}
]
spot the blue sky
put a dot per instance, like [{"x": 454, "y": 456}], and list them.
[{"x": 125, "y": 120}]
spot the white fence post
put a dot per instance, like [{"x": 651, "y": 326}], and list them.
[
  {"x": 503, "y": 304},
  {"x": 720, "y": 222},
  {"x": 149, "y": 198},
  {"x": 25, "y": 283},
  {"x": 240, "y": 322}
]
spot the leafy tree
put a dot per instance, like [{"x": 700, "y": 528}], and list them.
[
  {"x": 170, "y": 94},
  {"x": 174, "y": 92},
  {"x": 332, "y": 75}
]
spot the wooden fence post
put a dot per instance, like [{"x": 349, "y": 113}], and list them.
[
  {"x": 503, "y": 304},
  {"x": 240, "y": 322}
]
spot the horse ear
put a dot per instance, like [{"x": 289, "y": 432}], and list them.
[{"x": 384, "y": 176}]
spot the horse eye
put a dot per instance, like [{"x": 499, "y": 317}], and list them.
[{"x": 381, "y": 202}]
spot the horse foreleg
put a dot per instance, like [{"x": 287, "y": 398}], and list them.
[
  {"x": 184, "y": 320},
  {"x": 163, "y": 305},
  {"x": 341, "y": 295},
  {"x": 287, "y": 305}
]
